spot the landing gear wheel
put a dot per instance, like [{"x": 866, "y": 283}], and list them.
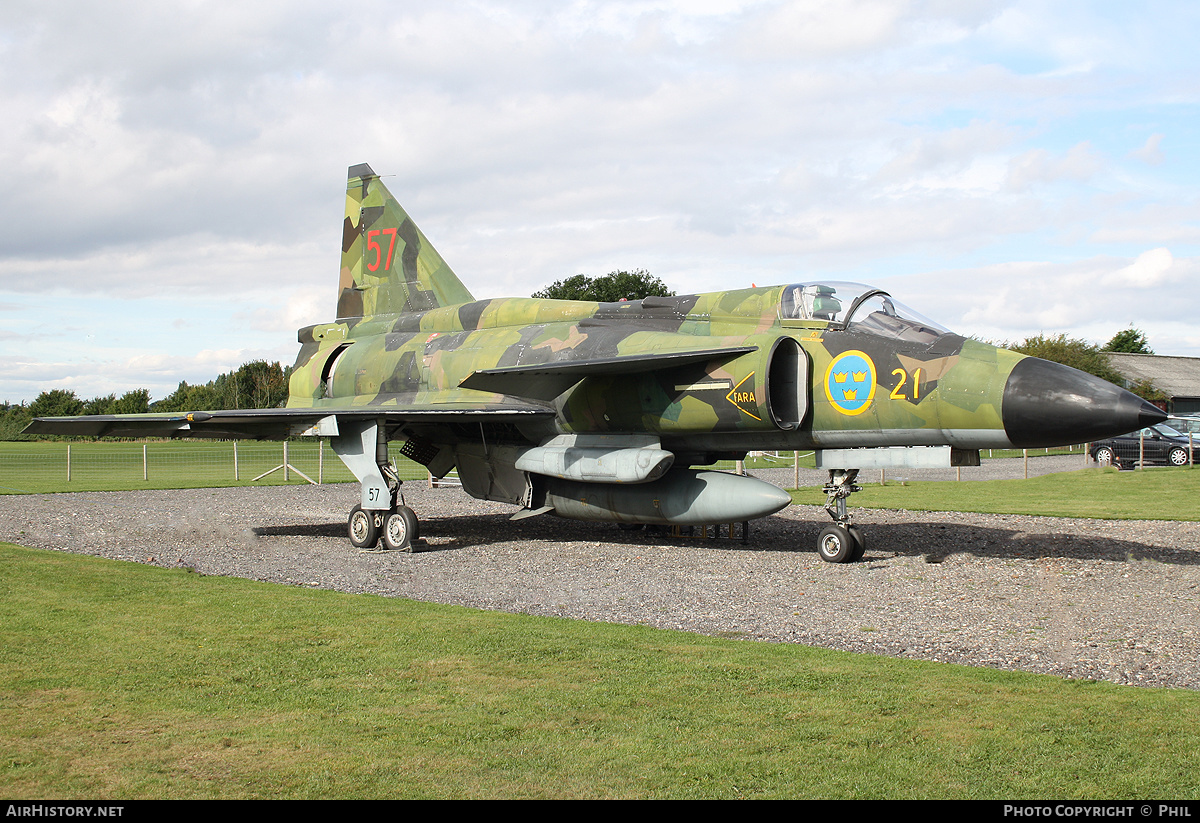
[
  {"x": 400, "y": 529},
  {"x": 414, "y": 525},
  {"x": 835, "y": 545},
  {"x": 1104, "y": 456},
  {"x": 860, "y": 544},
  {"x": 1178, "y": 457},
  {"x": 364, "y": 534}
]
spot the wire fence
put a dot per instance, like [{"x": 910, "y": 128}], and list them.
[
  {"x": 63, "y": 467},
  {"x": 27, "y": 467}
]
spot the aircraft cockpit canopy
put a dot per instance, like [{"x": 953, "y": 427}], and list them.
[{"x": 859, "y": 308}]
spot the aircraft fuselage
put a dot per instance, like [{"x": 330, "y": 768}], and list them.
[{"x": 775, "y": 383}]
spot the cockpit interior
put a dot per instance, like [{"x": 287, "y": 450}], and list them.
[{"x": 857, "y": 308}]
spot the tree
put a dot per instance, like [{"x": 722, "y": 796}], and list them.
[
  {"x": 1133, "y": 341},
  {"x": 1129, "y": 341},
  {"x": 13, "y": 418},
  {"x": 134, "y": 401},
  {"x": 1069, "y": 351},
  {"x": 1085, "y": 356},
  {"x": 256, "y": 384},
  {"x": 1148, "y": 391},
  {"x": 190, "y": 398},
  {"x": 100, "y": 405},
  {"x": 56, "y": 403},
  {"x": 265, "y": 384},
  {"x": 614, "y": 286}
]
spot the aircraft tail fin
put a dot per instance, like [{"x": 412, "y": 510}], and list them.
[{"x": 388, "y": 266}]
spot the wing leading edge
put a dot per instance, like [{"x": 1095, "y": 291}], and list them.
[
  {"x": 528, "y": 391},
  {"x": 270, "y": 424}
]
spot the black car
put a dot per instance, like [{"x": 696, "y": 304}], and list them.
[{"x": 1162, "y": 444}]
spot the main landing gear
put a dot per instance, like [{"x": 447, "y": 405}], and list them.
[
  {"x": 398, "y": 527},
  {"x": 843, "y": 541},
  {"x": 362, "y": 445}
]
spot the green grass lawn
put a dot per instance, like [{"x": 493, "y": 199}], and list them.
[
  {"x": 120, "y": 681},
  {"x": 1152, "y": 494}
]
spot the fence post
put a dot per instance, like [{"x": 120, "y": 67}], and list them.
[
  {"x": 145, "y": 468},
  {"x": 235, "y": 463},
  {"x": 68, "y": 462},
  {"x": 285, "y": 462},
  {"x": 1025, "y": 455},
  {"x": 320, "y": 461}
]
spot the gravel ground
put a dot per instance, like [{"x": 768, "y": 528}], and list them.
[{"x": 1106, "y": 600}]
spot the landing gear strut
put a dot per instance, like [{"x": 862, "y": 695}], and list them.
[
  {"x": 843, "y": 541},
  {"x": 362, "y": 445}
]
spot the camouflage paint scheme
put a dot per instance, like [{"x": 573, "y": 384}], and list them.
[
  {"x": 551, "y": 404},
  {"x": 410, "y": 336}
]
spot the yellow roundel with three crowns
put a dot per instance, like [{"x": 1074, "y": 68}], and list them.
[{"x": 850, "y": 382}]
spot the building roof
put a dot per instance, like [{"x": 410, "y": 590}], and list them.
[{"x": 1175, "y": 376}]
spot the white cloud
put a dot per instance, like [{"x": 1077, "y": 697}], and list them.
[
  {"x": 1150, "y": 152},
  {"x": 1080, "y": 163},
  {"x": 292, "y": 311},
  {"x": 822, "y": 29},
  {"x": 1149, "y": 270},
  {"x": 180, "y": 265},
  {"x": 1092, "y": 299}
]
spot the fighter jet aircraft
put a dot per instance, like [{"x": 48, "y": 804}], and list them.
[{"x": 601, "y": 411}]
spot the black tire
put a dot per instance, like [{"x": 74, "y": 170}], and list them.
[
  {"x": 399, "y": 529},
  {"x": 860, "y": 543},
  {"x": 1178, "y": 457},
  {"x": 414, "y": 525},
  {"x": 835, "y": 545},
  {"x": 364, "y": 534},
  {"x": 1104, "y": 456}
]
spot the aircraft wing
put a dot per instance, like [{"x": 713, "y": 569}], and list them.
[
  {"x": 272, "y": 424},
  {"x": 546, "y": 381},
  {"x": 528, "y": 391}
]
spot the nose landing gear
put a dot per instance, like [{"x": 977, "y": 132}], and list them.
[{"x": 843, "y": 541}]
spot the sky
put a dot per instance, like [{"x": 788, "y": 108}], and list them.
[{"x": 172, "y": 174}]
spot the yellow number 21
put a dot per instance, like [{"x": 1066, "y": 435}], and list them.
[{"x": 897, "y": 394}]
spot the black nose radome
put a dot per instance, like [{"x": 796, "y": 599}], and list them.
[{"x": 1049, "y": 404}]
